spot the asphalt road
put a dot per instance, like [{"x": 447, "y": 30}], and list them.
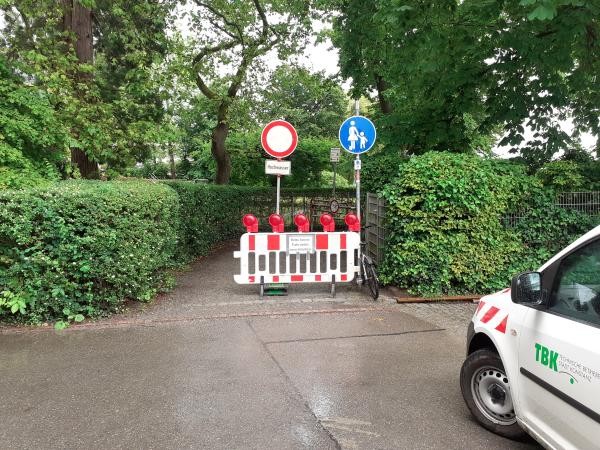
[{"x": 210, "y": 366}]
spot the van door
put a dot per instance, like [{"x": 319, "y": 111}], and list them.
[{"x": 559, "y": 353}]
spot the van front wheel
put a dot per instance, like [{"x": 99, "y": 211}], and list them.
[{"x": 486, "y": 390}]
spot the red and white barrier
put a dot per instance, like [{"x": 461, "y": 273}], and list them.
[{"x": 304, "y": 257}]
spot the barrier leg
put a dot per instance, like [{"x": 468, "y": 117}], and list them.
[
  {"x": 333, "y": 286},
  {"x": 262, "y": 287}
]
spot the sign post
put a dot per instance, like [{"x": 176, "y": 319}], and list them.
[
  {"x": 357, "y": 135},
  {"x": 334, "y": 157},
  {"x": 279, "y": 139}
]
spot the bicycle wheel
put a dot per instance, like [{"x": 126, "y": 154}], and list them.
[
  {"x": 362, "y": 275},
  {"x": 371, "y": 278}
]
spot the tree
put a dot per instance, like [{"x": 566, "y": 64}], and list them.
[
  {"x": 363, "y": 43},
  {"x": 105, "y": 90},
  {"x": 459, "y": 72},
  {"x": 313, "y": 103},
  {"x": 133, "y": 65},
  {"x": 77, "y": 25},
  {"x": 33, "y": 141},
  {"x": 239, "y": 33}
]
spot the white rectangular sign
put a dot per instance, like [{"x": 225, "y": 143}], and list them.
[
  {"x": 357, "y": 164},
  {"x": 301, "y": 243},
  {"x": 273, "y": 167},
  {"x": 334, "y": 155}
]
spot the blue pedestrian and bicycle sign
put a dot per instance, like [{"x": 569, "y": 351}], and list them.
[{"x": 357, "y": 134}]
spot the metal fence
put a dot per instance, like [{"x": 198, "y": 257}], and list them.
[
  {"x": 376, "y": 232},
  {"x": 584, "y": 202},
  {"x": 312, "y": 202}
]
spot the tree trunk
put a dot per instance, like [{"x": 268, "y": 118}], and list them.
[
  {"x": 217, "y": 144},
  {"x": 384, "y": 104},
  {"x": 78, "y": 20},
  {"x": 219, "y": 152},
  {"x": 172, "y": 162}
]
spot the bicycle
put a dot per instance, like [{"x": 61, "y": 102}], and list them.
[{"x": 367, "y": 274}]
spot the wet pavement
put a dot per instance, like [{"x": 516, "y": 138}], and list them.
[{"x": 211, "y": 366}]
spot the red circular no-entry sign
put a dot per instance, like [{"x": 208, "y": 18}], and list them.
[{"x": 279, "y": 139}]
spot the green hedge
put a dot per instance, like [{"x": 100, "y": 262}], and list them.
[
  {"x": 79, "y": 249},
  {"x": 213, "y": 213},
  {"x": 446, "y": 231}
]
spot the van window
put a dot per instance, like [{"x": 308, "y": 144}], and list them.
[{"x": 576, "y": 290}]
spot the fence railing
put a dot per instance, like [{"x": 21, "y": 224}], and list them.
[
  {"x": 376, "y": 232},
  {"x": 584, "y": 202},
  {"x": 312, "y": 202}
]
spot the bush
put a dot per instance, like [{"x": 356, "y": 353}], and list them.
[
  {"x": 446, "y": 234},
  {"x": 563, "y": 176},
  {"x": 80, "y": 248},
  {"x": 546, "y": 228},
  {"x": 379, "y": 169}
]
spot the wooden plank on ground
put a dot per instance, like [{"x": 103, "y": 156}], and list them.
[{"x": 451, "y": 298}]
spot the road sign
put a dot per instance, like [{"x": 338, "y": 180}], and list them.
[
  {"x": 357, "y": 164},
  {"x": 334, "y": 155},
  {"x": 278, "y": 167},
  {"x": 279, "y": 139},
  {"x": 357, "y": 134}
]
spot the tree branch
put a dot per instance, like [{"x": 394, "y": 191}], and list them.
[
  {"x": 223, "y": 29},
  {"x": 209, "y": 93},
  {"x": 210, "y": 50},
  {"x": 263, "y": 17},
  {"x": 238, "y": 78},
  {"x": 198, "y": 59},
  {"x": 228, "y": 22}
]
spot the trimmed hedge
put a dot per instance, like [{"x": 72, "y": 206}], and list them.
[
  {"x": 212, "y": 214},
  {"x": 80, "y": 248}
]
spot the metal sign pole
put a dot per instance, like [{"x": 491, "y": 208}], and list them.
[
  {"x": 278, "y": 192},
  {"x": 334, "y": 166},
  {"x": 357, "y": 166},
  {"x": 357, "y": 181}
]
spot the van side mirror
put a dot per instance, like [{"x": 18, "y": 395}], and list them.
[{"x": 526, "y": 288}]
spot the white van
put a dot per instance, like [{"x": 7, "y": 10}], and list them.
[{"x": 533, "y": 352}]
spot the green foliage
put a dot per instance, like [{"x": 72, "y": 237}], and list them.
[
  {"x": 240, "y": 33},
  {"x": 309, "y": 161},
  {"x": 379, "y": 168},
  {"x": 562, "y": 176},
  {"x": 444, "y": 217},
  {"x": 340, "y": 181},
  {"x": 545, "y": 228},
  {"x": 81, "y": 248},
  {"x": 575, "y": 171},
  {"x": 32, "y": 139},
  {"x": 212, "y": 214},
  {"x": 451, "y": 74},
  {"x": 130, "y": 72},
  {"x": 112, "y": 109},
  {"x": 315, "y": 104}
]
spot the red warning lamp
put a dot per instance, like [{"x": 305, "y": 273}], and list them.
[
  {"x": 327, "y": 222},
  {"x": 276, "y": 222},
  {"x": 352, "y": 222},
  {"x": 251, "y": 223},
  {"x": 302, "y": 223}
]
